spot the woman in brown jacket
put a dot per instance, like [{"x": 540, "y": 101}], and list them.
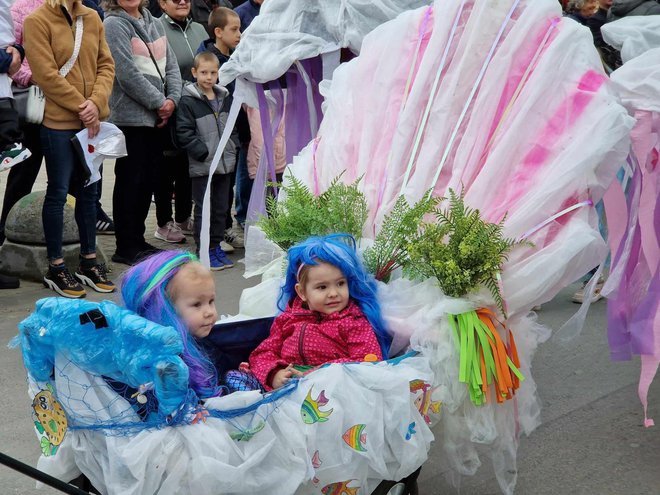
[{"x": 77, "y": 93}]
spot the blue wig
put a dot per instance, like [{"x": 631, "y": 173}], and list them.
[
  {"x": 144, "y": 291},
  {"x": 338, "y": 250}
]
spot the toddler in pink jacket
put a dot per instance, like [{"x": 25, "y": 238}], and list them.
[{"x": 330, "y": 313}]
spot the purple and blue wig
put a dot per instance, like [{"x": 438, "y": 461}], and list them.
[
  {"x": 144, "y": 291},
  {"x": 338, "y": 250}
]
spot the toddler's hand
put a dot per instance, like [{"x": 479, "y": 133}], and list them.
[{"x": 283, "y": 376}]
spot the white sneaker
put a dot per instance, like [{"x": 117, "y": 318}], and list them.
[
  {"x": 13, "y": 156},
  {"x": 234, "y": 236},
  {"x": 227, "y": 248}
]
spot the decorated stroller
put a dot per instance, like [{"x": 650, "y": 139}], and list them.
[
  {"x": 494, "y": 102},
  {"x": 122, "y": 414}
]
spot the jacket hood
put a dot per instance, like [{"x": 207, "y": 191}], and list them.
[
  {"x": 299, "y": 308},
  {"x": 191, "y": 89}
]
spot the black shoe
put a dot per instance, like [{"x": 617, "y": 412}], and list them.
[
  {"x": 124, "y": 260},
  {"x": 61, "y": 281},
  {"x": 148, "y": 250},
  {"x": 105, "y": 227},
  {"x": 96, "y": 276},
  {"x": 9, "y": 282}
]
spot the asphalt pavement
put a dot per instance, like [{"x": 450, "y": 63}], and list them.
[{"x": 591, "y": 442}]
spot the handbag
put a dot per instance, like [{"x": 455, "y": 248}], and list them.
[{"x": 31, "y": 101}]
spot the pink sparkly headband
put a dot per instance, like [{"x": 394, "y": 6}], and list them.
[{"x": 299, "y": 270}]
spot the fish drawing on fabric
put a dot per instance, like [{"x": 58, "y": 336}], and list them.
[
  {"x": 316, "y": 463},
  {"x": 424, "y": 402},
  {"x": 310, "y": 411},
  {"x": 246, "y": 435},
  {"x": 49, "y": 420},
  {"x": 355, "y": 438},
  {"x": 411, "y": 431},
  {"x": 340, "y": 488}
]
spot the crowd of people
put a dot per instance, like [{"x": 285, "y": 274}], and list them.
[{"x": 150, "y": 68}]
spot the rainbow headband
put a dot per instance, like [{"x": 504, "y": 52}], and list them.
[{"x": 167, "y": 268}]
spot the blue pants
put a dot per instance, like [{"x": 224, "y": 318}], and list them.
[{"x": 63, "y": 169}]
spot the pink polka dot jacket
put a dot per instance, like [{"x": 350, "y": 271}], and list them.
[{"x": 304, "y": 337}]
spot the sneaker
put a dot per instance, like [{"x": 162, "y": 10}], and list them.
[
  {"x": 234, "y": 236},
  {"x": 9, "y": 282},
  {"x": 14, "y": 155},
  {"x": 105, "y": 226},
  {"x": 96, "y": 277},
  {"x": 61, "y": 281},
  {"x": 226, "y": 247},
  {"x": 578, "y": 297},
  {"x": 222, "y": 256},
  {"x": 215, "y": 264},
  {"x": 170, "y": 233},
  {"x": 186, "y": 227}
]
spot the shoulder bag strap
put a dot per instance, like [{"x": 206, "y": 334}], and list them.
[{"x": 66, "y": 68}]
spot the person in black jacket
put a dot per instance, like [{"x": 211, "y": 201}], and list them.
[
  {"x": 625, "y": 8},
  {"x": 203, "y": 112}
]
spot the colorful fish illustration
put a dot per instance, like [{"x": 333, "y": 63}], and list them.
[
  {"x": 49, "y": 420},
  {"x": 246, "y": 435},
  {"x": 310, "y": 411},
  {"x": 340, "y": 488},
  {"x": 355, "y": 438},
  {"x": 424, "y": 402},
  {"x": 411, "y": 431}
]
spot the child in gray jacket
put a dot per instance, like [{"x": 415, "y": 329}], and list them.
[{"x": 201, "y": 119}]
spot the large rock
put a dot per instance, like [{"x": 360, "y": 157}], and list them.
[
  {"x": 23, "y": 254},
  {"x": 24, "y": 224},
  {"x": 30, "y": 262}
]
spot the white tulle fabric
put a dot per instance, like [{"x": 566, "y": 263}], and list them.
[{"x": 286, "y": 31}]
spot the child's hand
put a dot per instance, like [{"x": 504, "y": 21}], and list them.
[{"x": 283, "y": 376}]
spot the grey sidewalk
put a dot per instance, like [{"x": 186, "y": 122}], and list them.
[{"x": 591, "y": 440}]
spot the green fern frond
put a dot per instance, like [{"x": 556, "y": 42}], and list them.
[
  {"x": 462, "y": 251},
  {"x": 301, "y": 214}
]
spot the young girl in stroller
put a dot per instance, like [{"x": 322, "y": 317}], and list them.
[
  {"x": 330, "y": 313},
  {"x": 173, "y": 289}
]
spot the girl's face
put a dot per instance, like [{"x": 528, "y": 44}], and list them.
[
  {"x": 324, "y": 289},
  {"x": 193, "y": 294}
]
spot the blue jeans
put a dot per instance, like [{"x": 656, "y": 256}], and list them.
[
  {"x": 243, "y": 186},
  {"x": 63, "y": 169}
]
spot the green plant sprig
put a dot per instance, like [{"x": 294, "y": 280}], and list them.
[
  {"x": 301, "y": 214},
  {"x": 389, "y": 250},
  {"x": 461, "y": 250}
]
